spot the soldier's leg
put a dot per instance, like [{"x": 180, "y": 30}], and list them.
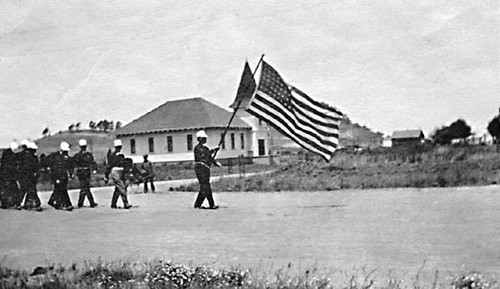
[
  {"x": 13, "y": 193},
  {"x": 145, "y": 185},
  {"x": 207, "y": 188},
  {"x": 209, "y": 196},
  {"x": 88, "y": 192},
  {"x": 52, "y": 199},
  {"x": 114, "y": 199},
  {"x": 65, "y": 200},
  {"x": 201, "y": 196},
  {"x": 34, "y": 196},
  {"x": 55, "y": 199},
  {"x": 81, "y": 196},
  {"x": 116, "y": 177},
  {"x": 152, "y": 184},
  {"x": 25, "y": 194},
  {"x": 90, "y": 197},
  {"x": 31, "y": 196},
  {"x": 123, "y": 194}
]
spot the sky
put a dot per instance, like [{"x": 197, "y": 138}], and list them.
[{"x": 389, "y": 65}]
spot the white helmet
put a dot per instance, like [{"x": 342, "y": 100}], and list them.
[
  {"x": 14, "y": 146},
  {"x": 117, "y": 142},
  {"x": 65, "y": 146},
  {"x": 25, "y": 143},
  {"x": 82, "y": 142},
  {"x": 201, "y": 134},
  {"x": 32, "y": 145}
]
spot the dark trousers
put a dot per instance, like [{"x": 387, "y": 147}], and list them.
[
  {"x": 203, "y": 176},
  {"x": 150, "y": 180},
  {"x": 85, "y": 191},
  {"x": 28, "y": 188},
  {"x": 120, "y": 187},
  {"x": 12, "y": 195},
  {"x": 60, "y": 197}
]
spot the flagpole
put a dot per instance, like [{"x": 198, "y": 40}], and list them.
[{"x": 236, "y": 109}]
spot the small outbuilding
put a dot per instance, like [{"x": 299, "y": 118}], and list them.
[{"x": 407, "y": 137}]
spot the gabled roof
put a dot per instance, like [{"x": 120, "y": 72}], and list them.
[
  {"x": 411, "y": 133},
  {"x": 180, "y": 115}
]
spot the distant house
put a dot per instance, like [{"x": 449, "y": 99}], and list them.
[
  {"x": 407, "y": 137},
  {"x": 167, "y": 133}
]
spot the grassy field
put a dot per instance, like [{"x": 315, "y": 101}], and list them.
[
  {"x": 391, "y": 231},
  {"x": 418, "y": 167}
]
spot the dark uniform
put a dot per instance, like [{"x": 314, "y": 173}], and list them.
[
  {"x": 28, "y": 168},
  {"x": 60, "y": 169},
  {"x": 118, "y": 168},
  {"x": 148, "y": 175},
  {"x": 203, "y": 156},
  {"x": 84, "y": 164},
  {"x": 11, "y": 195}
]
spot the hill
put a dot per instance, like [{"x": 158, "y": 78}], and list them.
[{"x": 99, "y": 142}]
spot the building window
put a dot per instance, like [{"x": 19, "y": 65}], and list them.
[
  {"x": 223, "y": 141},
  {"x": 242, "y": 139},
  {"x": 260, "y": 122},
  {"x": 151, "y": 143},
  {"x": 132, "y": 146},
  {"x": 262, "y": 147},
  {"x": 190, "y": 142},
  {"x": 170, "y": 144},
  {"x": 233, "y": 142}
]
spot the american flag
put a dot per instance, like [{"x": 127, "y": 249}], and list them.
[{"x": 311, "y": 124}]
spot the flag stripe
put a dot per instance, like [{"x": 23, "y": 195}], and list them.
[
  {"x": 282, "y": 122},
  {"x": 274, "y": 121},
  {"x": 329, "y": 129},
  {"x": 328, "y": 111},
  {"x": 311, "y": 112},
  {"x": 294, "y": 122},
  {"x": 291, "y": 136}
]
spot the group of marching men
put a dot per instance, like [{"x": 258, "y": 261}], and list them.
[{"x": 20, "y": 168}]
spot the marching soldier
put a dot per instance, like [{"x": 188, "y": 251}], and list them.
[
  {"x": 60, "y": 171},
  {"x": 148, "y": 174},
  {"x": 204, "y": 158},
  {"x": 84, "y": 163},
  {"x": 9, "y": 173},
  {"x": 28, "y": 168},
  {"x": 118, "y": 169}
]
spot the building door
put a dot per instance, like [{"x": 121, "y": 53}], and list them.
[{"x": 262, "y": 147}]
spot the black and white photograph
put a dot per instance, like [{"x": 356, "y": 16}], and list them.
[{"x": 250, "y": 144}]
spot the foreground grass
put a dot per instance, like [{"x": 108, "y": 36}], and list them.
[{"x": 158, "y": 274}]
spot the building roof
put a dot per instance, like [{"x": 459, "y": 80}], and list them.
[
  {"x": 181, "y": 115},
  {"x": 411, "y": 133}
]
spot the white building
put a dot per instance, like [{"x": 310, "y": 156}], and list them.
[{"x": 167, "y": 133}]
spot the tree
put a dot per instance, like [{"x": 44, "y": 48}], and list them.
[
  {"x": 46, "y": 132},
  {"x": 494, "y": 128},
  {"x": 442, "y": 135},
  {"x": 92, "y": 125},
  {"x": 77, "y": 126},
  {"x": 118, "y": 125},
  {"x": 71, "y": 127},
  {"x": 457, "y": 130},
  {"x": 460, "y": 129}
]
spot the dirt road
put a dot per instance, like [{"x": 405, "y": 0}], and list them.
[{"x": 394, "y": 229}]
